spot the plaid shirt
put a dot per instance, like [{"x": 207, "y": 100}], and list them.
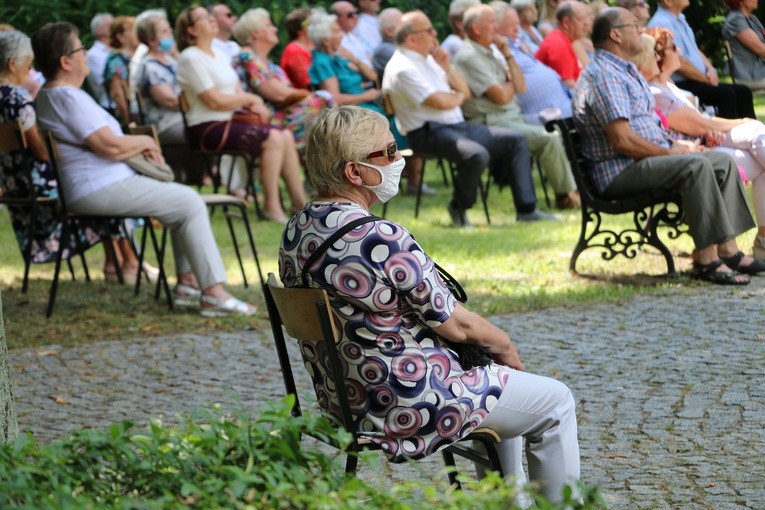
[{"x": 608, "y": 90}]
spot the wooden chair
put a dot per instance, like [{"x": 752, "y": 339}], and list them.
[
  {"x": 307, "y": 316},
  {"x": 204, "y": 156},
  {"x": 70, "y": 222},
  {"x": 13, "y": 140},
  {"x": 649, "y": 210},
  {"x": 483, "y": 187},
  {"x": 234, "y": 208}
]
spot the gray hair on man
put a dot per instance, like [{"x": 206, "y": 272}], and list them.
[
  {"x": 339, "y": 135},
  {"x": 253, "y": 19},
  {"x": 14, "y": 45},
  {"x": 387, "y": 19},
  {"x": 458, "y": 7},
  {"x": 102, "y": 20},
  {"x": 320, "y": 28},
  {"x": 500, "y": 7},
  {"x": 473, "y": 15},
  {"x": 519, "y": 5}
]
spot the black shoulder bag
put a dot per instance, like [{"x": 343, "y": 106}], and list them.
[{"x": 469, "y": 355}]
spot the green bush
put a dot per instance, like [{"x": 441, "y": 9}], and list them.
[{"x": 218, "y": 460}]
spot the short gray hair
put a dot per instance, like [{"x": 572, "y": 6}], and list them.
[
  {"x": 253, "y": 19},
  {"x": 473, "y": 15},
  {"x": 519, "y": 5},
  {"x": 339, "y": 135},
  {"x": 500, "y": 8},
  {"x": 320, "y": 28},
  {"x": 388, "y": 18},
  {"x": 99, "y": 20},
  {"x": 146, "y": 24},
  {"x": 458, "y": 7},
  {"x": 13, "y": 45}
]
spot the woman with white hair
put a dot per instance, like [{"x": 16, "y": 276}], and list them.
[
  {"x": 336, "y": 70},
  {"x": 528, "y": 16},
  {"x": 291, "y": 108},
  {"x": 156, "y": 79}
]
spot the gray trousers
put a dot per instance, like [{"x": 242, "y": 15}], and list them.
[
  {"x": 546, "y": 147},
  {"x": 178, "y": 207},
  {"x": 709, "y": 184}
]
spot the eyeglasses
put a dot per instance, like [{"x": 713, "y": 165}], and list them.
[
  {"x": 229, "y": 15},
  {"x": 430, "y": 30},
  {"x": 633, "y": 24},
  {"x": 389, "y": 151},
  {"x": 351, "y": 14},
  {"x": 81, "y": 48}
]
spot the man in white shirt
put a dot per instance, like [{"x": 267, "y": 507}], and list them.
[
  {"x": 225, "y": 20},
  {"x": 427, "y": 92},
  {"x": 367, "y": 29},
  {"x": 97, "y": 55},
  {"x": 347, "y": 19}
]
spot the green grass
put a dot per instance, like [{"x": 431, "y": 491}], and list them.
[{"x": 504, "y": 267}]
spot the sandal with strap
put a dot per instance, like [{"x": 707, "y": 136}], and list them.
[
  {"x": 186, "y": 296},
  {"x": 756, "y": 267},
  {"x": 709, "y": 273},
  {"x": 220, "y": 308}
]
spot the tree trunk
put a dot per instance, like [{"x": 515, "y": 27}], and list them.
[{"x": 9, "y": 426}]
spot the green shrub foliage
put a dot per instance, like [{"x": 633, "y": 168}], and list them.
[{"x": 222, "y": 460}]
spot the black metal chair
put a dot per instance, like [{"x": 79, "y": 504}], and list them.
[
  {"x": 70, "y": 222},
  {"x": 306, "y": 316},
  {"x": 13, "y": 141},
  {"x": 649, "y": 210}
]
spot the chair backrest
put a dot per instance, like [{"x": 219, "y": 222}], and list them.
[
  {"x": 729, "y": 55},
  {"x": 307, "y": 316},
  {"x": 12, "y": 137},
  {"x": 146, "y": 129},
  {"x": 54, "y": 155},
  {"x": 140, "y": 103},
  {"x": 388, "y": 104},
  {"x": 580, "y": 167}
]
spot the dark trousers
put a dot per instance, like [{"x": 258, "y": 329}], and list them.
[
  {"x": 472, "y": 147},
  {"x": 713, "y": 196},
  {"x": 731, "y": 101}
]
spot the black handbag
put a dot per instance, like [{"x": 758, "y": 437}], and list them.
[{"x": 469, "y": 355}]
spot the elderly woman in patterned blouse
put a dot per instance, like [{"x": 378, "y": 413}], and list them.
[
  {"x": 412, "y": 394},
  {"x": 291, "y": 108}
]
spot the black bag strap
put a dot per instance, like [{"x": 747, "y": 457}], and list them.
[
  {"x": 451, "y": 282},
  {"x": 323, "y": 247}
]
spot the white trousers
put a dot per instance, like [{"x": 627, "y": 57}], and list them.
[{"x": 541, "y": 410}]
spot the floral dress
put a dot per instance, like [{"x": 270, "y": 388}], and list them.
[
  {"x": 254, "y": 70},
  {"x": 407, "y": 390},
  {"x": 17, "y": 105}
]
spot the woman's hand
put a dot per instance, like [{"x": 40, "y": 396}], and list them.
[
  {"x": 508, "y": 357},
  {"x": 155, "y": 155},
  {"x": 371, "y": 94},
  {"x": 262, "y": 111}
]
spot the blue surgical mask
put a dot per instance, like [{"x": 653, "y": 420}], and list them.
[{"x": 166, "y": 44}]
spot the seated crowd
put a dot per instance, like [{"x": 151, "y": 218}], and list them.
[{"x": 478, "y": 99}]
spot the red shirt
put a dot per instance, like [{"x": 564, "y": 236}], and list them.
[
  {"x": 557, "y": 52},
  {"x": 295, "y": 61}
]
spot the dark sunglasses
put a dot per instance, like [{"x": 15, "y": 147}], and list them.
[
  {"x": 389, "y": 151},
  {"x": 350, "y": 15}
]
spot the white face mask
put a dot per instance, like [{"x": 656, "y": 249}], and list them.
[{"x": 390, "y": 176}]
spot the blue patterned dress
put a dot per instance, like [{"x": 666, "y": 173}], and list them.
[
  {"x": 407, "y": 390},
  {"x": 17, "y": 105}
]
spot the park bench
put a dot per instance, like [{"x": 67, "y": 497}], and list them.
[{"x": 649, "y": 210}]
